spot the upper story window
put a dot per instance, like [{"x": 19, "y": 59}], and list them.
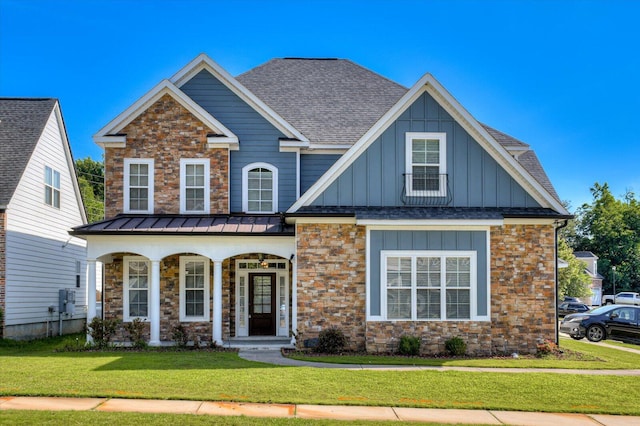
[
  {"x": 51, "y": 187},
  {"x": 137, "y": 278},
  {"x": 429, "y": 285},
  {"x": 138, "y": 185},
  {"x": 260, "y": 188},
  {"x": 194, "y": 185},
  {"x": 426, "y": 164}
]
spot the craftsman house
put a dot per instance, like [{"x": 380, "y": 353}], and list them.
[
  {"x": 311, "y": 193},
  {"x": 42, "y": 268}
]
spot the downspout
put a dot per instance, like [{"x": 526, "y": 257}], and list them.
[{"x": 555, "y": 302}]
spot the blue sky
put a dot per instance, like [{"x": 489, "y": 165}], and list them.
[{"x": 559, "y": 75}]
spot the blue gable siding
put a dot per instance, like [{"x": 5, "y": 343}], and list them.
[
  {"x": 427, "y": 240},
  {"x": 258, "y": 138},
  {"x": 312, "y": 166},
  {"x": 376, "y": 177}
]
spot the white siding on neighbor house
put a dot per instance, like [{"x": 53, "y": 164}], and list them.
[{"x": 41, "y": 257}]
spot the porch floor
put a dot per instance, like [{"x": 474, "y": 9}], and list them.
[{"x": 258, "y": 342}]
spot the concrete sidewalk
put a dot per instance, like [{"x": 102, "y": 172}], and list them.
[
  {"x": 488, "y": 417},
  {"x": 271, "y": 356}
]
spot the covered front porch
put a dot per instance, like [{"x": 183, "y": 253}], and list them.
[{"x": 222, "y": 288}]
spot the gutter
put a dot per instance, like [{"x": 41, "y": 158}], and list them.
[{"x": 555, "y": 267}]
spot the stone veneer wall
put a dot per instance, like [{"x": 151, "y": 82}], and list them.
[
  {"x": 331, "y": 280},
  {"x": 331, "y": 292},
  {"x": 3, "y": 239},
  {"x": 166, "y": 132}
]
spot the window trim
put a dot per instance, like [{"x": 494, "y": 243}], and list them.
[
  {"x": 126, "y": 317},
  {"x": 207, "y": 291},
  {"x": 442, "y": 163},
  {"x": 245, "y": 187},
  {"x": 183, "y": 182},
  {"x": 50, "y": 172},
  {"x": 150, "y": 162},
  {"x": 443, "y": 254}
]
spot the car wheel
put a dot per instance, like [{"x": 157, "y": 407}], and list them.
[
  {"x": 595, "y": 333},
  {"x": 577, "y": 337}
]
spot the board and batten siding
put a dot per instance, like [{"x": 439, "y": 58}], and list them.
[
  {"x": 259, "y": 139},
  {"x": 375, "y": 178},
  {"x": 427, "y": 240},
  {"x": 312, "y": 166},
  {"x": 41, "y": 257}
]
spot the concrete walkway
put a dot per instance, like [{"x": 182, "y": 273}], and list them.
[
  {"x": 271, "y": 356},
  {"x": 483, "y": 417}
]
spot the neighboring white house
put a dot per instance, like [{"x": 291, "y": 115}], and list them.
[
  {"x": 596, "y": 279},
  {"x": 39, "y": 203}
]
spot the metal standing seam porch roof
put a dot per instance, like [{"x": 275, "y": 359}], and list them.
[{"x": 254, "y": 225}]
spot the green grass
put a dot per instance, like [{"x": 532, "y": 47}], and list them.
[
  {"x": 35, "y": 370},
  {"x": 69, "y": 418}
]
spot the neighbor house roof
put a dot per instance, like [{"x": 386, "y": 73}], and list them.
[
  {"x": 22, "y": 121},
  {"x": 331, "y": 101},
  {"x": 585, "y": 255}
]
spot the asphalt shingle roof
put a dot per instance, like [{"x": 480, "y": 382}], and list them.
[
  {"x": 335, "y": 101},
  {"x": 331, "y": 101},
  {"x": 22, "y": 121}
]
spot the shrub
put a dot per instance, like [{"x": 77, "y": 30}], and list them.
[
  {"x": 101, "y": 331},
  {"x": 180, "y": 335},
  {"x": 331, "y": 341},
  {"x": 409, "y": 345},
  {"x": 135, "y": 329},
  {"x": 455, "y": 346},
  {"x": 547, "y": 347}
]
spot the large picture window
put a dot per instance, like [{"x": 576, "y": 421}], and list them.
[
  {"x": 51, "y": 187},
  {"x": 426, "y": 164},
  {"x": 138, "y": 185},
  {"x": 194, "y": 186},
  {"x": 137, "y": 278},
  {"x": 260, "y": 188},
  {"x": 428, "y": 285},
  {"x": 194, "y": 288}
]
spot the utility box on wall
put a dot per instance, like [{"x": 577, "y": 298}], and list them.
[{"x": 67, "y": 301}]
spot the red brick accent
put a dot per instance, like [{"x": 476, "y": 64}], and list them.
[
  {"x": 331, "y": 280},
  {"x": 166, "y": 132},
  {"x": 3, "y": 261}
]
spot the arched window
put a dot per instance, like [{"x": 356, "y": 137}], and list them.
[{"x": 259, "y": 188}]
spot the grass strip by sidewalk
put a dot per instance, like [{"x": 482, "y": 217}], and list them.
[{"x": 220, "y": 376}]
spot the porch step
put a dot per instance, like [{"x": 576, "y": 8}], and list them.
[{"x": 258, "y": 343}]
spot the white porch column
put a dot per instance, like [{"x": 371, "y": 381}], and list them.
[
  {"x": 154, "y": 304},
  {"x": 294, "y": 299},
  {"x": 217, "y": 302},
  {"x": 91, "y": 293}
]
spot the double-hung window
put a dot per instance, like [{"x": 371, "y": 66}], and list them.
[
  {"x": 428, "y": 285},
  {"x": 260, "y": 188},
  {"x": 194, "y": 185},
  {"x": 51, "y": 187},
  {"x": 426, "y": 164},
  {"x": 194, "y": 288},
  {"x": 138, "y": 185},
  {"x": 137, "y": 278}
]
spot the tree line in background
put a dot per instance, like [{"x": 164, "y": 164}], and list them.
[
  {"x": 91, "y": 181},
  {"x": 609, "y": 227}
]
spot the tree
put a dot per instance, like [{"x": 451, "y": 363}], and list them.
[
  {"x": 610, "y": 228},
  {"x": 91, "y": 180},
  {"x": 572, "y": 280}
]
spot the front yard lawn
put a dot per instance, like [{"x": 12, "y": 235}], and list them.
[{"x": 35, "y": 369}]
